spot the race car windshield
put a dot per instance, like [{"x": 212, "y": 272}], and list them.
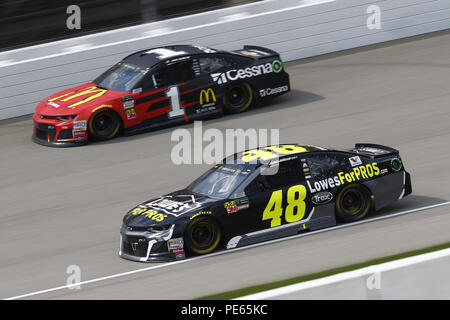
[
  {"x": 121, "y": 77},
  {"x": 220, "y": 181}
]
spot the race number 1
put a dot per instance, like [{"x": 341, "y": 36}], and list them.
[{"x": 174, "y": 97}]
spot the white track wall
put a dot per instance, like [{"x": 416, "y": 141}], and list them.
[
  {"x": 424, "y": 276},
  {"x": 296, "y": 29}
]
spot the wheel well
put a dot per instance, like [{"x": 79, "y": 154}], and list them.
[
  {"x": 360, "y": 185},
  {"x": 108, "y": 110}
]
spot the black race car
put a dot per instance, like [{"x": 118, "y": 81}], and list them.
[
  {"x": 262, "y": 194},
  {"x": 159, "y": 87}
]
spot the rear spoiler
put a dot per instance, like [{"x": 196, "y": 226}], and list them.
[
  {"x": 266, "y": 53},
  {"x": 374, "y": 150}
]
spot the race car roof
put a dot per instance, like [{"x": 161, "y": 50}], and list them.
[
  {"x": 151, "y": 57},
  {"x": 269, "y": 153}
]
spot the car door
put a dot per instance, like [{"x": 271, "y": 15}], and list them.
[
  {"x": 276, "y": 196},
  {"x": 161, "y": 95}
]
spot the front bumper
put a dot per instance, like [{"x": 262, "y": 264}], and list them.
[
  {"x": 56, "y": 133},
  {"x": 145, "y": 246}
]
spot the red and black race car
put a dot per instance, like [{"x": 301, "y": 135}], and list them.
[{"x": 160, "y": 87}]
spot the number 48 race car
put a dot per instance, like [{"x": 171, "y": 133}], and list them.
[
  {"x": 263, "y": 194},
  {"x": 160, "y": 87}
]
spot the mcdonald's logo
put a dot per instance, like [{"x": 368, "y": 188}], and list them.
[
  {"x": 207, "y": 95},
  {"x": 93, "y": 93}
]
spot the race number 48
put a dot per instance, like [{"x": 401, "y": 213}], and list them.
[{"x": 294, "y": 211}]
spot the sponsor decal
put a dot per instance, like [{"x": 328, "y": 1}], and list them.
[
  {"x": 277, "y": 66},
  {"x": 384, "y": 171},
  {"x": 131, "y": 113},
  {"x": 324, "y": 184},
  {"x": 127, "y": 102},
  {"x": 236, "y": 205},
  {"x": 355, "y": 161},
  {"x": 80, "y": 125},
  {"x": 176, "y": 246},
  {"x": 322, "y": 197},
  {"x": 137, "y": 90},
  {"x": 149, "y": 213},
  {"x": 173, "y": 207},
  {"x": 356, "y": 174},
  {"x": 272, "y": 91},
  {"x": 180, "y": 256},
  {"x": 79, "y": 135},
  {"x": 396, "y": 164},
  {"x": 207, "y": 97},
  {"x": 250, "y": 53},
  {"x": 199, "y": 214},
  {"x": 52, "y": 104},
  {"x": 248, "y": 72},
  {"x": 231, "y": 206},
  {"x": 93, "y": 93},
  {"x": 362, "y": 172}
]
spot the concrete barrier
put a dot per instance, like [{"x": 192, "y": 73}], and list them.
[
  {"x": 296, "y": 29},
  {"x": 424, "y": 276}
]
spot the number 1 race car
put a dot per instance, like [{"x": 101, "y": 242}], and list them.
[
  {"x": 160, "y": 87},
  {"x": 263, "y": 194}
]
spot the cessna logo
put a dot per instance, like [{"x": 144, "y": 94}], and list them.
[
  {"x": 276, "y": 66},
  {"x": 271, "y": 91},
  {"x": 206, "y": 96}
]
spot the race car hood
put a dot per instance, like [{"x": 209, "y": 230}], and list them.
[
  {"x": 166, "y": 209},
  {"x": 74, "y": 100}
]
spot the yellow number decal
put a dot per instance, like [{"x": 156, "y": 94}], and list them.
[
  {"x": 273, "y": 210},
  {"x": 251, "y": 155},
  {"x": 270, "y": 152},
  {"x": 295, "y": 199},
  {"x": 286, "y": 149}
]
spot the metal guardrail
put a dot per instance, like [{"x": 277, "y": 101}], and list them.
[{"x": 296, "y": 29}]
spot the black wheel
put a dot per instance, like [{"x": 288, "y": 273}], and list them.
[
  {"x": 353, "y": 203},
  {"x": 238, "y": 98},
  {"x": 202, "y": 236},
  {"x": 104, "y": 125}
]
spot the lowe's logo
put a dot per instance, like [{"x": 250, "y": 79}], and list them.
[{"x": 231, "y": 75}]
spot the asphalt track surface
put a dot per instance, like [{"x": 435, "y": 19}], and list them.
[{"x": 62, "y": 207}]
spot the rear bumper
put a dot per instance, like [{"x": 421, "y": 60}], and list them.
[{"x": 408, "y": 185}]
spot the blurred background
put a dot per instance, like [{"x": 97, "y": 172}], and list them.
[{"x": 29, "y": 22}]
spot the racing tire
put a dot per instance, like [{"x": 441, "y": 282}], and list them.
[
  {"x": 202, "y": 236},
  {"x": 353, "y": 203},
  {"x": 104, "y": 125},
  {"x": 237, "y": 98}
]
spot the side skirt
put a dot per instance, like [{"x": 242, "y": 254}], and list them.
[{"x": 320, "y": 217}]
